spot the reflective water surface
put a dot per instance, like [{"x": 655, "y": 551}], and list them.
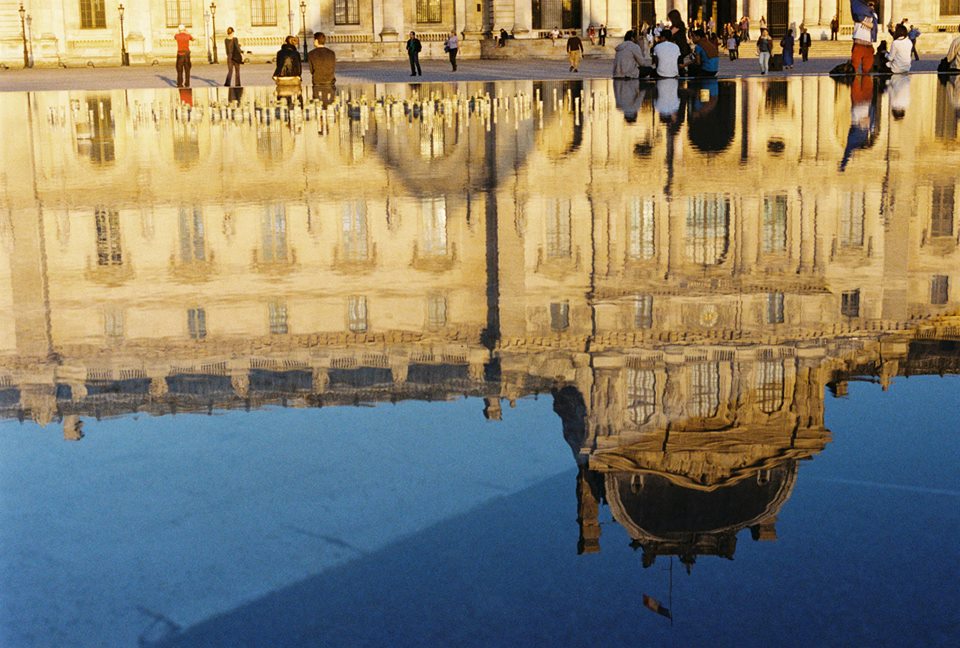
[{"x": 481, "y": 365}]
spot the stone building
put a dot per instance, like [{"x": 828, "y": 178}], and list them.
[{"x": 81, "y": 32}]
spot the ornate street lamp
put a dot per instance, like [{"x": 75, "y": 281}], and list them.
[
  {"x": 213, "y": 21},
  {"x": 303, "y": 25},
  {"x": 124, "y": 55},
  {"x": 23, "y": 35}
]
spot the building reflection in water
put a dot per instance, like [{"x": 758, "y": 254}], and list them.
[{"x": 685, "y": 269}]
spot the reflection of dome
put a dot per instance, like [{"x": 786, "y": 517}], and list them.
[{"x": 665, "y": 518}]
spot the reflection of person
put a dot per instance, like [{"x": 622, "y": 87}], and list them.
[
  {"x": 574, "y": 52},
  {"x": 899, "y": 93},
  {"x": 234, "y": 56},
  {"x": 323, "y": 66},
  {"x": 667, "y": 102},
  {"x": 628, "y": 95},
  {"x": 864, "y": 35},
  {"x": 863, "y": 121},
  {"x": 413, "y": 53},
  {"x": 183, "y": 57}
]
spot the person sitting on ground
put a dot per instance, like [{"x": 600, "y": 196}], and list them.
[
  {"x": 900, "y": 56},
  {"x": 666, "y": 56},
  {"x": 706, "y": 56},
  {"x": 630, "y": 61},
  {"x": 503, "y": 37},
  {"x": 881, "y": 65},
  {"x": 554, "y": 33}
]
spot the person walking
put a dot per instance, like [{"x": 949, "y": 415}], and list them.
[
  {"x": 574, "y": 51},
  {"x": 234, "y": 57},
  {"x": 864, "y": 35},
  {"x": 745, "y": 29},
  {"x": 913, "y": 35},
  {"x": 786, "y": 44},
  {"x": 805, "y": 42},
  {"x": 451, "y": 46},
  {"x": 834, "y": 28},
  {"x": 602, "y": 35},
  {"x": 323, "y": 66},
  {"x": 413, "y": 53},
  {"x": 183, "y": 56},
  {"x": 764, "y": 48}
]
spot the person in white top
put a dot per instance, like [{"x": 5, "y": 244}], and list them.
[
  {"x": 900, "y": 51},
  {"x": 666, "y": 56}
]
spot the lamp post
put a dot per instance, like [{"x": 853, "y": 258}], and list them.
[
  {"x": 23, "y": 35},
  {"x": 303, "y": 26},
  {"x": 124, "y": 55},
  {"x": 213, "y": 24}
]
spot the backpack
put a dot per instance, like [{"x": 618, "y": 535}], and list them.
[{"x": 844, "y": 69}]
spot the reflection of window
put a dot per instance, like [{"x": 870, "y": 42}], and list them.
[
  {"x": 357, "y": 314},
  {"x": 708, "y": 222},
  {"x": 641, "y": 394},
  {"x": 346, "y": 12},
  {"x": 941, "y": 212},
  {"x": 432, "y": 138},
  {"x": 850, "y": 303},
  {"x": 560, "y": 316},
  {"x": 428, "y": 11},
  {"x": 559, "y": 243},
  {"x": 273, "y": 234},
  {"x": 92, "y": 14},
  {"x": 433, "y": 236},
  {"x": 197, "y": 323},
  {"x": 101, "y": 140},
  {"x": 775, "y": 308},
  {"x": 939, "y": 289},
  {"x": 640, "y": 225},
  {"x": 770, "y": 385},
  {"x": 113, "y": 322},
  {"x": 945, "y": 118},
  {"x": 263, "y": 13},
  {"x": 278, "y": 318},
  {"x": 437, "y": 311},
  {"x": 705, "y": 389},
  {"x": 643, "y": 313},
  {"x": 178, "y": 13},
  {"x": 109, "y": 252},
  {"x": 192, "y": 243},
  {"x": 354, "y": 231},
  {"x": 853, "y": 209},
  {"x": 775, "y": 224}
]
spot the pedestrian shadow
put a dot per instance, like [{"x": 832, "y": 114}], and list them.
[
  {"x": 170, "y": 81},
  {"x": 209, "y": 82}
]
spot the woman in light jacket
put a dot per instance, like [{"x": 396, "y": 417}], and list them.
[{"x": 450, "y": 47}]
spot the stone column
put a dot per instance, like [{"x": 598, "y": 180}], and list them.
[
  {"x": 754, "y": 12},
  {"x": 393, "y": 27},
  {"x": 660, "y": 8},
  {"x": 811, "y": 15},
  {"x": 522, "y": 18},
  {"x": 377, "y": 17},
  {"x": 473, "y": 19},
  {"x": 795, "y": 13},
  {"x": 618, "y": 19}
]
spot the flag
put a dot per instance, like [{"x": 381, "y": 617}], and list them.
[{"x": 655, "y": 605}]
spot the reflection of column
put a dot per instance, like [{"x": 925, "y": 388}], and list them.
[{"x": 588, "y": 509}]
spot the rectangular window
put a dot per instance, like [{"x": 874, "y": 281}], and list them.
[
  {"x": 949, "y": 8},
  {"x": 178, "y": 13},
  {"x": 940, "y": 289},
  {"x": 643, "y": 313},
  {"x": 850, "y": 303},
  {"x": 436, "y": 311},
  {"x": 560, "y": 316},
  {"x": 197, "y": 323},
  {"x": 705, "y": 389},
  {"x": 109, "y": 251},
  {"x": 770, "y": 385},
  {"x": 708, "y": 224},
  {"x": 941, "y": 212},
  {"x": 775, "y": 224},
  {"x": 640, "y": 225},
  {"x": 93, "y": 14},
  {"x": 641, "y": 394},
  {"x": 278, "y": 318},
  {"x": 263, "y": 13},
  {"x": 346, "y": 12},
  {"x": 428, "y": 11},
  {"x": 357, "y": 314},
  {"x": 775, "y": 308}
]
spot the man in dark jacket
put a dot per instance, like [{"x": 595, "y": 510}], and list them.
[
  {"x": 234, "y": 56},
  {"x": 288, "y": 59},
  {"x": 413, "y": 53},
  {"x": 323, "y": 64},
  {"x": 805, "y": 42}
]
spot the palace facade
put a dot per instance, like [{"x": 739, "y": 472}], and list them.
[{"x": 81, "y": 32}]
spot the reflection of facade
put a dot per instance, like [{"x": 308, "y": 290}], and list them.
[
  {"x": 77, "y": 31},
  {"x": 687, "y": 335}
]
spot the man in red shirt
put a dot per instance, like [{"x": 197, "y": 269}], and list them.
[{"x": 183, "y": 56}]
